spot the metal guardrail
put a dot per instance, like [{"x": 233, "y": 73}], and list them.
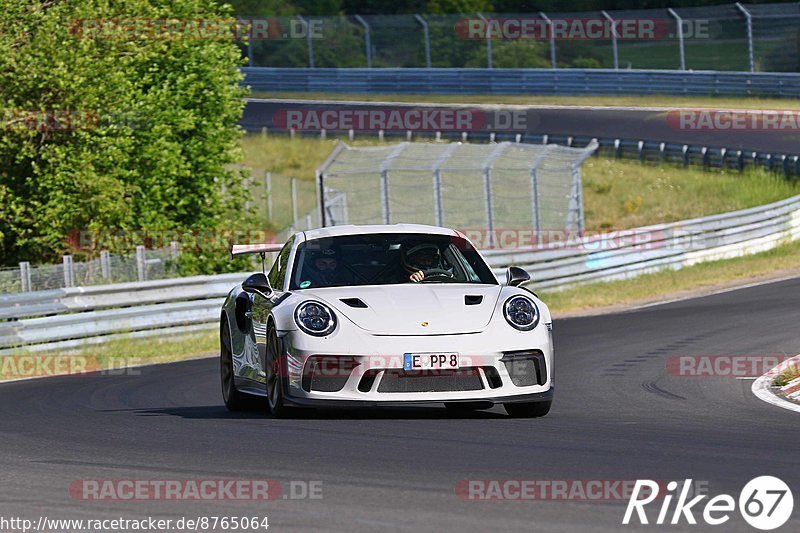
[
  {"x": 62, "y": 318},
  {"x": 649, "y": 249},
  {"x": 522, "y": 81},
  {"x": 67, "y": 318}
]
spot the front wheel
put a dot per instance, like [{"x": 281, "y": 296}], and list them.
[
  {"x": 528, "y": 409},
  {"x": 275, "y": 373}
]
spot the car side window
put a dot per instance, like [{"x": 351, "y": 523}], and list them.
[{"x": 278, "y": 271}]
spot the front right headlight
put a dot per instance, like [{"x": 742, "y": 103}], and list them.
[
  {"x": 315, "y": 318},
  {"x": 521, "y": 312}
]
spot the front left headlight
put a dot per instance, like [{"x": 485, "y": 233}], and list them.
[
  {"x": 521, "y": 313},
  {"x": 315, "y": 318}
]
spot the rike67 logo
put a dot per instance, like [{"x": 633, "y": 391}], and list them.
[{"x": 766, "y": 503}]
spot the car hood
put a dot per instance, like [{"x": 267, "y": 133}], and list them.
[{"x": 414, "y": 308}]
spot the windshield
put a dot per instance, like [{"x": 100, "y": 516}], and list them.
[{"x": 383, "y": 259}]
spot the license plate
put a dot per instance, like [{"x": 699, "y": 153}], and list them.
[{"x": 431, "y": 361}]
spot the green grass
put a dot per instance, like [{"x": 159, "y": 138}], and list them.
[
  {"x": 618, "y": 194},
  {"x": 637, "y": 101},
  {"x": 286, "y": 158},
  {"x": 118, "y": 353},
  {"x": 621, "y": 194},
  {"x": 668, "y": 283},
  {"x": 793, "y": 372}
]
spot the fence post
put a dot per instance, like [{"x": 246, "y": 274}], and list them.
[
  {"x": 535, "y": 215},
  {"x": 69, "y": 272},
  {"x": 384, "y": 169},
  {"x": 427, "y": 34},
  {"x": 552, "y": 38},
  {"x": 578, "y": 184},
  {"x": 613, "y": 39},
  {"x": 105, "y": 264},
  {"x": 679, "y": 20},
  {"x": 385, "y": 208},
  {"x": 320, "y": 181},
  {"x": 294, "y": 204},
  {"x": 308, "y": 41},
  {"x": 268, "y": 179},
  {"x": 367, "y": 40},
  {"x": 141, "y": 267},
  {"x": 487, "y": 188},
  {"x": 438, "y": 211},
  {"x": 748, "y": 17},
  {"x": 488, "y": 41},
  {"x": 25, "y": 276}
]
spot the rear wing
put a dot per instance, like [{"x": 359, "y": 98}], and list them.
[{"x": 262, "y": 248}]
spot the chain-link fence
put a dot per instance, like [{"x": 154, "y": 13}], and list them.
[
  {"x": 284, "y": 201},
  {"x": 471, "y": 187},
  {"x": 737, "y": 37},
  {"x": 141, "y": 265}
]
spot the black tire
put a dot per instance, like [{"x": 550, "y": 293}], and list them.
[
  {"x": 465, "y": 407},
  {"x": 528, "y": 409},
  {"x": 234, "y": 400},
  {"x": 275, "y": 375}
]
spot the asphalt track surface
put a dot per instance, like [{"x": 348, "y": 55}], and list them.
[
  {"x": 618, "y": 415},
  {"x": 602, "y": 122}
]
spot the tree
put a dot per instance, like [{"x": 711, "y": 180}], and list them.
[{"x": 113, "y": 121}]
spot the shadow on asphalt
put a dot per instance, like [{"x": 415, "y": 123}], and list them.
[{"x": 376, "y": 413}]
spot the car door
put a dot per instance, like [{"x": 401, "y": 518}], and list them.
[{"x": 262, "y": 307}]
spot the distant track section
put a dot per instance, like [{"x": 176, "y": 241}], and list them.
[{"x": 696, "y": 136}]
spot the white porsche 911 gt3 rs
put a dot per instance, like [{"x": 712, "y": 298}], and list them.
[{"x": 384, "y": 315}]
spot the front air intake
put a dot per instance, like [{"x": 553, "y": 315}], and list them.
[
  {"x": 354, "y": 302},
  {"x": 525, "y": 368},
  {"x": 470, "y": 299},
  {"x": 465, "y": 379},
  {"x": 327, "y": 373}
]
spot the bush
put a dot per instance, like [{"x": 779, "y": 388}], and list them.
[{"x": 153, "y": 132}]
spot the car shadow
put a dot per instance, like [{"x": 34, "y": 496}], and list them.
[{"x": 209, "y": 412}]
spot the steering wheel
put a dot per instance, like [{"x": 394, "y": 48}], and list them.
[{"x": 433, "y": 274}]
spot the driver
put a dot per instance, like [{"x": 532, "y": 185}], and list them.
[
  {"x": 420, "y": 259},
  {"x": 324, "y": 269}
]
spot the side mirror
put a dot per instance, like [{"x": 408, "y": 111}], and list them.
[
  {"x": 258, "y": 283},
  {"x": 516, "y": 276}
]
